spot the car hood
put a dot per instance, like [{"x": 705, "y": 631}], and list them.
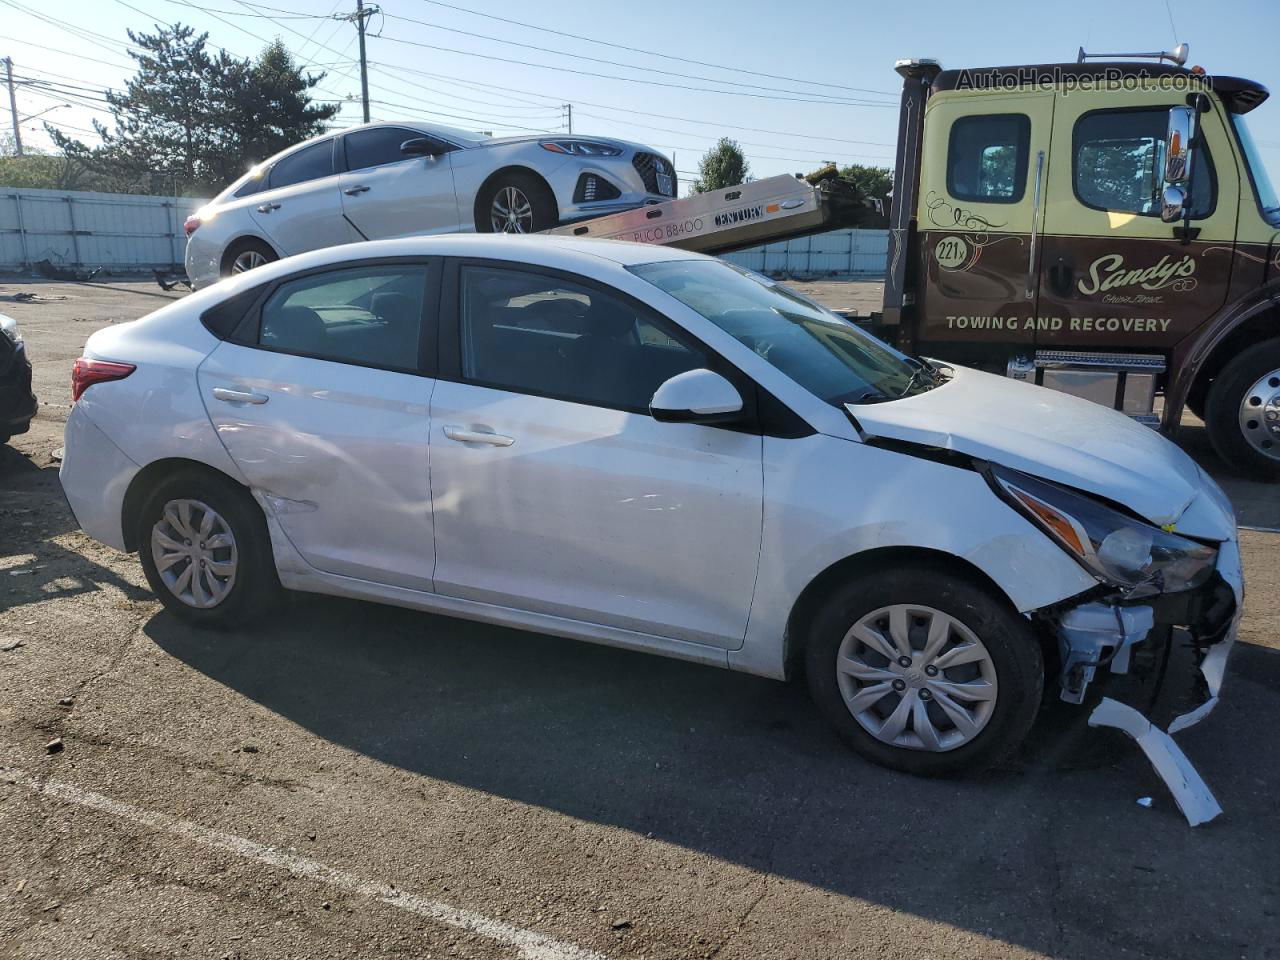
[{"x": 1057, "y": 437}]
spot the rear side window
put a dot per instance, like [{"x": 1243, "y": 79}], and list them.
[
  {"x": 1118, "y": 163},
  {"x": 368, "y": 316},
  {"x": 376, "y": 147},
  {"x": 987, "y": 158},
  {"x": 309, "y": 163}
]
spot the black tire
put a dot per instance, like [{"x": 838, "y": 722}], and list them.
[
  {"x": 1009, "y": 640},
  {"x": 246, "y": 249},
  {"x": 255, "y": 586},
  {"x": 544, "y": 212},
  {"x": 1232, "y": 388}
]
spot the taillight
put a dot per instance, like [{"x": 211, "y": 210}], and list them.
[
  {"x": 190, "y": 224},
  {"x": 85, "y": 373}
]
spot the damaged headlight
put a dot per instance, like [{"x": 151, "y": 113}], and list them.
[{"x": 1114, "y": 547}]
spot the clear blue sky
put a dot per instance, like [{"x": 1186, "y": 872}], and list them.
[{"x": 823, "y": 58}]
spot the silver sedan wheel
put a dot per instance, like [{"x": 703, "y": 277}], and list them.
[
  {"x": 248, "y": 260},
  {"x": 195, "y": 553},
  {"x": 1260, "y": 415},
  {"x": 916, "y": 677},
  {"x": 511, "y": 212}
]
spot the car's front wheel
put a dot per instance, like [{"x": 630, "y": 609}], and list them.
[
  {"x": 925, "y": 671},
  {"x": 205, "y": 550},
  {"x": 515, "y": 203}
]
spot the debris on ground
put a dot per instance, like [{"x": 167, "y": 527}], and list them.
[
  {"x": 47, "y": 268},
  {"x": 621, "y": 925},
  {"x": 54, "y": 745},
  {"x": 170, "y": 279},
  {"x": 66, "y": 701},
  {"x": 1144, "y": 802},
  {"x": 26, "y": 296},
  {"x": 11, "y": 643}
]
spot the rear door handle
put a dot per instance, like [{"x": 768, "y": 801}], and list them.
[
  {"x": 463, "y": 435},
  {"x": 352, "y": 191},
  {"x": 239, "y": 396},
  {"x": 268, "y": 207}
]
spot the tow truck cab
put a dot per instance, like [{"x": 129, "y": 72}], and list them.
[{"x": 1105, "y": 228}]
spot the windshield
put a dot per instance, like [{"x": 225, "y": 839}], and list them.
[
  {"x": 824, "y": 353},
  {"x": 1267, "y": 199}
]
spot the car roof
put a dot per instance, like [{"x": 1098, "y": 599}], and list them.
[{"x": 568, "y": 253}]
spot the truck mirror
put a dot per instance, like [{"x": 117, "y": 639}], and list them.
[
  {"x": 1177, "y": 149},
  {"x": 1172, "y": 203}
]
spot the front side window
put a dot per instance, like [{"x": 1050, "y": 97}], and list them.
[
  {"x": 987, "y": 158},
  {"x": 1118, "y": 163},
  {"x": 824, "y": 353},
  {"x": 376, "y": 147},
  {"x": 309, "y": 163},
  {"x": 538, "y": 334},
  {"x": 370, "y": 316},
  {"x": 1268, "y": 202}
]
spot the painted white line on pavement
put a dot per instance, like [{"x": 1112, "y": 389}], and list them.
[{"x": 531, "y": 946}]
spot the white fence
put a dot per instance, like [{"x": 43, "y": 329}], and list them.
[
  {"x": 119, "y": 231},
  {"x": 839, "y": 253}
]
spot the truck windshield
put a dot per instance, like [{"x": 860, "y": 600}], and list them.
[
  {"x": 1267, "y": 199},
  {"x": 824, "y": 353}
]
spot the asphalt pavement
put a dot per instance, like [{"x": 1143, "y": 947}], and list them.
[{"x": 349, "y": 780}]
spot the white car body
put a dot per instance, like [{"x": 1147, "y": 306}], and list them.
[
  {"x": 404, "y": 196},
  {"x": 684, "y": 539}
]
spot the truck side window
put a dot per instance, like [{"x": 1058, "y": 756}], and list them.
[
  {"x": 987, "y": 158},
  {"x": 1118, "y": 163}
]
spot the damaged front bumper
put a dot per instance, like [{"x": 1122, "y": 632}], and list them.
[{"x": 1159, "y": 661}]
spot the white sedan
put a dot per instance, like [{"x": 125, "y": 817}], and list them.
[
  {"x": 652, "y": 449},
  {"x": 386, "y": 180}
]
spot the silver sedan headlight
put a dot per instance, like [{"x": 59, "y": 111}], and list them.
[
  {"x": 581, "y": 148},
  {"x": 1115, "y": 547}
]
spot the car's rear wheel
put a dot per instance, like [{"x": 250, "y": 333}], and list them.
[
  {"x": 1243, "y": 412},
  {"x": 515, "y": 203},
  {"x": 245, "y": 256},
  {"x": 205, "y": 550},
  {"x": 924, "y": 670}
]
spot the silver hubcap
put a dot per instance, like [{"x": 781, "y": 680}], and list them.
[
  {"x": 247, "y": 261},
  {"x": 511, "y": 212},
  {"x": 195, "y": 552},
  {"x": 1260, "y": 415},
  {"x": 916, "y": 677}
]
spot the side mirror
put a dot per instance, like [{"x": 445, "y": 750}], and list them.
[
  {"x": 696, "y": 396},
  {"x": 1173, "y": 203},
  {"x": 422, "y": 147},
  {"x": 1177, "y": 147}
]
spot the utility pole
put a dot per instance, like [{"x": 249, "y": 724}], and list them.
[
  {"x": 361, "y": 16},
  {"x": 13, "y": 106},
  {"x": 569, "y": 110}
]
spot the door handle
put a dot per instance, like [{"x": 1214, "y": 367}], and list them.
[
  {"x": 268, "y": 207},
  {"x": 463, "y": 435},
  {"x": 1061, "y": 274},
  {"x": 239, "y": 396},
  {"x": 352, "y": 191}
]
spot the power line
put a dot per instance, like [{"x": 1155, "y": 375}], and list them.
[{"x": 655, "y": 53}]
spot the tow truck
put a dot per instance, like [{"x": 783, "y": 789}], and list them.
[{"x": 1104, "y": 227}]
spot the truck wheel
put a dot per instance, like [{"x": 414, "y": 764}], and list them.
[
  {"x": 516, "y": 203},
  {"x": 246, "y": 255},
  {"x": 1243, "y": 412},
  {"x": 925, "y": 671}
]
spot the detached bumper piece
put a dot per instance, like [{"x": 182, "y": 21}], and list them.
[{"x": 1144, "y": 644}]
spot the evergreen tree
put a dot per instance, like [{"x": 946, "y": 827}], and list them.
[{"x": 189, "y": 120}]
